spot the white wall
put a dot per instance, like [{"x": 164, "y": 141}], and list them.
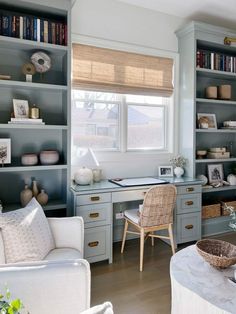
[{"x": 118, "y": 25}]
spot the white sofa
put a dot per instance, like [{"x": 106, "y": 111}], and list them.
[{"x": 60, "y": 283}]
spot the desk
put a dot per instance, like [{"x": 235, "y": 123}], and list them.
[
  {"x": 198, "y": 287},
  {"x": 96, "y": 202}
]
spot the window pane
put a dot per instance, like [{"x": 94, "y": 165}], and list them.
[
  {"x": 95, "y": 120},
  {"x": 146, "y": 127}
]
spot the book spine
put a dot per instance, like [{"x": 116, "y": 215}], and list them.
[
  {"x": 21, "y": 27},
  {"x": 66, "y": 35},
  {"x": 53, "y": 25},
  {"x": 35, "y": 29},
  {"x": 50, "y": 32},
  {"x": 13, "y": 26},
  {"x": 28, "y": 27},
  {"x": 46, "y": 31},
  {"x": 41, "y": 30},
  {"x": 17, "y": 27},
  {"x": 38, "y": 30},
  {"x": 31, "y": 28},
  {"x": 212, "y": 60},
  {"x": 57, "y": 34},
  {"x": 5, "y": 25}
]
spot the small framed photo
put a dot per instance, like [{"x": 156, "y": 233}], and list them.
[
  {"x": 165, "y": 171},
  {"x": 5, "y": 151},
  {"x": 21, "y": 108},
  {"x": 207, "y": 121},
  {"x": 215, "y": 173}
]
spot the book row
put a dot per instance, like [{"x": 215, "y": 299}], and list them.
[
  {"x": 216, "y": 61},
  {"x": 33, "y": 28}
]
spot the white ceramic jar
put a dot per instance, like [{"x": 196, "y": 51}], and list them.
[
  {"x": 84, "y": 176},
  {"x": 49, "y": 157}
]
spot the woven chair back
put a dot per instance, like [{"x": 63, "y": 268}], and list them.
[{"x": 158, "y": 206}]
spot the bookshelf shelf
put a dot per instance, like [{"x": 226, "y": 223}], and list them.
[
  {"x": 27, "y": 85},
  {"x": 52, "y": 205},
  {"x": 215, "y": 101},
  {"x": 208, "y": 160},
  {"x": 33, "y": 126},
  {"x": 215, "y": 131},
  {"x": 215, "y": 74},
  {"x": 32, "y": 168}
]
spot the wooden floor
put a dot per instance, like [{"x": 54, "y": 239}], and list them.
[{"x": 130, "y": 291}]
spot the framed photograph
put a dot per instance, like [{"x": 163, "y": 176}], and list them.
[
  {"x": 207, "y": 120},
  {"x": 215, "y": 173},
  {"x": 21, "y": 108},
  {"x": 165, "y": 171},
  {"x": 5, "y": 151}
]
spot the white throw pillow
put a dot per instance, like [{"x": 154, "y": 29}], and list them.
[{"x": 26, "y": 234}]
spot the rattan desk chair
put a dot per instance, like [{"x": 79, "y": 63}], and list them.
[{"x": 156, "y": 214}]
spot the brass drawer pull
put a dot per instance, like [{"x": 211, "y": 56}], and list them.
[
  {"x": 94, "y": 215},
  {"x": 189, "y": 189},
  {"x": 93, "y": 244},
  {"x": 94, "y": 198},
  {"x": 189, "y": 227},
  {"x": 189, "y": 203}
]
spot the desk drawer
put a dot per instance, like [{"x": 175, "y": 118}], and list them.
[
  {"x": 188, "y": 227},
  {"x": 97, "y": 243},
  {"x": 93, "y": 198},
  {"x": 188, "y": 203},
  {"x": 95, "y": 214},
  {"x": 126, "y": 196},
  {"x": 187, "y": 189}
]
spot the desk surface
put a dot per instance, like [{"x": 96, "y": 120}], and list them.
[{"x": 106, "y": 186}]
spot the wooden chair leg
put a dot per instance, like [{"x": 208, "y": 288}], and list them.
[
  {"x": 142, "y": 235},
  {"x": 124, "y": 235},
  {"x": 152, "y": 238},
  {"x": 171, "y": 238}
]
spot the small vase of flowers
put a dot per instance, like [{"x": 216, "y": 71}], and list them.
[{"x": 178, "y": 162}]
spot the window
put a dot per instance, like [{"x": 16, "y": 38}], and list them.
[{"x": 98, "y": 121}]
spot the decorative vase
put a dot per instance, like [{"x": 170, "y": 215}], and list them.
[
  {"x": 35, "y": 189},
  {"x": 29, "y": 159},
  {"x": 49, "y": 157},
  {"x": 42, "y": 198},
  {"x": 25, "y": 196},
  {"x": 84, "y": 176},
  {"x": 178, "y": 172}
]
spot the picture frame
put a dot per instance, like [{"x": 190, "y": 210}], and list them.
[
  {"x": 5, "y": 151},
  {"x": 209, "y": 118},
  {"x": 215, "y": 173},
  {"x": 165, "y": 171},
  {"x": 21, "y": 108}
]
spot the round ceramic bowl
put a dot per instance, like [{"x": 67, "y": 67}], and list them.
[
  {"x": 29, "y": 159},
  {"x": 49, "y": 157}
]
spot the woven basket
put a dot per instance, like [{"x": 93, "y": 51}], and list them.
[
  {"x": 217, "y": 253},
  {"x": 211, "y": 211}
]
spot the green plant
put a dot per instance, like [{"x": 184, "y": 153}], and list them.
[{"x": 8, "y": 306}]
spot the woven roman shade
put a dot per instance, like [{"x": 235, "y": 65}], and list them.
[{"x": 101, "y": 69}]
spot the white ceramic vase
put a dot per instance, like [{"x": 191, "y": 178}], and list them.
[
  {"x": 178, "y": 171},
  {"x": 84, "y": 176}
]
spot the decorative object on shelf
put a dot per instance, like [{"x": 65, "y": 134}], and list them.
[
  {"x": 84, "y": 176},
  {"x": 29, "y": 159},
  {"x": 1, "y": 207},
  {"x": 35, "y": 189},
  {"x": 218, "y": 153},
  {"x": 215, "y": 173},
  {"x": 231, "y": 210},
  {"x": 49, "y": 157},
  {"x": 165, "y": 171},
  {"x": 211, "y": 211},
  {"x": 28, "y": 69},
  {"x": 25, "y": 121},
  {"x": 201, "y": 154},
  {"x": 41, "y": 61},
  {"x": 211, "y": 92},
  {"x": 224, "y": 92},
  {"x": 87, "y": 160},
  {"x": 34, "y": 112},
  {"x": 217, "y": 253},
  {"x": 229, "y": 124},
  {"x": 21, "y": 108},
  {"x": 5, "y": 77},
  {"x": 42, "y": 198},
  {"x": 97, "y": 175},
  {"x": 207, "y": 118},
  {"x": 178, "y": 162},
  {"x": 203, "y": 179},
  {"x": 231, "y": 178},
  {"x": 229, "y": 40},
  {"x": 5, "y": 151},
  {"x": 25, "y": 196}
]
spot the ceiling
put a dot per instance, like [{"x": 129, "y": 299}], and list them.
[{"x": 219, "y": 12}]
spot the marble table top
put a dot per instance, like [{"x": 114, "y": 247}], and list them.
[{"x": 190, "y": 270}]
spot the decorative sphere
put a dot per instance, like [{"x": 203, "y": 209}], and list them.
[{"x": 83, "y": 176}]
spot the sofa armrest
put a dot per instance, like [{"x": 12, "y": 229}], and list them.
[
  {"x": 68, "y": 232},
  {"x": 49, "y": 287}
]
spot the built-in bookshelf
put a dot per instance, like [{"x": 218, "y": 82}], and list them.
[{"x": 49, "y": 91}]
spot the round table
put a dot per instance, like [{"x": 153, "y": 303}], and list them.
[{"x": 198, "y": 287}]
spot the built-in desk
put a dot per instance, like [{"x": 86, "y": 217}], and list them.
[{"x": 95, "y": 203}]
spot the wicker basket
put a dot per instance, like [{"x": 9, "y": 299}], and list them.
[
  {"x": 217, "y": 253},
  {"x": 226, "y": 212},
  {"x": 211, "y": 211}
]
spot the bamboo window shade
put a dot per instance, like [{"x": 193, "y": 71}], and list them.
[{"x": 108, "y": 70}]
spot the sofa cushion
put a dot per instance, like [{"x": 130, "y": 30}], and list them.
[
  {"x": 63, "y": 254},
  {"x": 26, "y": 234}
]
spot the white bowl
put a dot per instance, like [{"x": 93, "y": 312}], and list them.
[
  {"x": 49, "y": 157},
  {"x": 29, "y": 159}
]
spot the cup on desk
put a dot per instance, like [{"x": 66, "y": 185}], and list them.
[{"x": 97, "y": 175}]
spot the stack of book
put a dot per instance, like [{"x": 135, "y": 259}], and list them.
[
  {"x": 33, "y": 28},
  {"x": 25, "y": 121},
  {"x": 216, "y": 61}
]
